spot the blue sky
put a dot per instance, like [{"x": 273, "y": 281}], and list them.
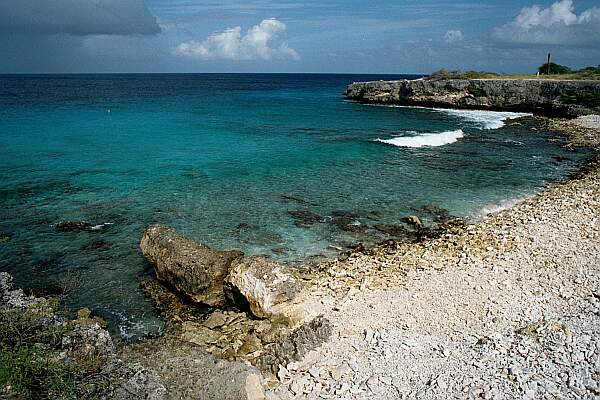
[{"x": 295, "y": 36}]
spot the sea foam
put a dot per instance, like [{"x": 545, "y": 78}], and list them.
[
  {"x": 487, "y": 119},
  {"x": 425, "y": 140}
]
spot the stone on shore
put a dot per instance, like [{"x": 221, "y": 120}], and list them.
[
  {"x": 413, "y": 220},
  {"x": 193, "y": 269},
  {"x": 264, "y": 284}
]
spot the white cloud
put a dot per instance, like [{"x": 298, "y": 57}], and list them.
[
  {"x": 453, "y": 36},
  {"x": 231, "y": 44},
  {"x": 555, "y": 25}
]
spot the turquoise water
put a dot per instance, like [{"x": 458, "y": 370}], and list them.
[{"x": 215, "y": 156}]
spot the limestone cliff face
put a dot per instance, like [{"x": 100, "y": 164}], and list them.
[{"x": 545, "y": 97}]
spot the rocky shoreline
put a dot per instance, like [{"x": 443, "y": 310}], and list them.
[
  {"x": 378, "y": 310},
  {"x": 509, "y": 307}
]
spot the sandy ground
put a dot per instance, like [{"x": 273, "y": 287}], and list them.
[{"x": 509, "y": 308}]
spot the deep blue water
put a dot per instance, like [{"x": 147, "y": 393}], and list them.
[{"x": 206, "y": 153}]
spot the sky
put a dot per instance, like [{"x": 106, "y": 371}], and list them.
[{"x": 335, "y": 36}]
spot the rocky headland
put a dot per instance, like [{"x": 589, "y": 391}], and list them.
[{"x": 554, "y": 98}]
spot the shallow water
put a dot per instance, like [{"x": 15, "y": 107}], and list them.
[{"x": 215, "y": 156}]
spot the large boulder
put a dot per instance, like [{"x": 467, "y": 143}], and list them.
[
  {"x": 264, "y": 284},
  {"x": 193, "y": 269}
]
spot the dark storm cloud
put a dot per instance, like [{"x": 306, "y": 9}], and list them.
[{"x": 77, "y": 17}]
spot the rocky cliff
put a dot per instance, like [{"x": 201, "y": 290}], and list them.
[{"x": 544, "y": 97}]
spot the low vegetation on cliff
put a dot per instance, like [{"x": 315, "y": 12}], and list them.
[{"x": 557, "y": 71}]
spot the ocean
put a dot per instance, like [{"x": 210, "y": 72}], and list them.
[{"x": 266, "y": 163}]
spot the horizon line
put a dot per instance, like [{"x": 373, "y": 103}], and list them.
[{"x": 211, "y": 73}]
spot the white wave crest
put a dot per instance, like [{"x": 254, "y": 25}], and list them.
[
  {"x": 486, "y": 119},
  {"x": 425, "y": 140}
]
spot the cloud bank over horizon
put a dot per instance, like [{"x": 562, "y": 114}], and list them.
[
  {"x": 231, "y": 44},
  {"x": 77, "y": 17}
]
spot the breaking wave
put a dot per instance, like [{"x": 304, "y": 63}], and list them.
[{"x": 425, "y": 140}]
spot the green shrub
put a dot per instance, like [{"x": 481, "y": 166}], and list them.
[
  {"x": 475, "y": 91},
  {"x": 584, "y": 97},
  {"x": 30, "y": 372},
  {"x": 29, "y": 347},
  {"x": 555, "y": 69}
]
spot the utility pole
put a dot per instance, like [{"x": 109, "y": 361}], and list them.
[{"x": 548, "y": 65}]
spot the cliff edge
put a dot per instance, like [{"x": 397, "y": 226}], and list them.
[{"x": 555, "y": 98}]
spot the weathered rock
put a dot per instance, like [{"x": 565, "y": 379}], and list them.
[
  {"x": 264, "y": 284},
  {"x": 215, "y": 320},
  {"x": 413, "y": 220},
  {"x": 5, "y": 283},
  {"x": 138, "y": 383},
  {"x": 547, "y": 97},
  {"x": 295, "y": 346},
  {"x": 88, "y": 340},
  {"x": 195, "y": 270},
  {"x": 189, "y": 372}
]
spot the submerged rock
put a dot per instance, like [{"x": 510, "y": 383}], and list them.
[
  {"x": 74, "y": 226},
  {"x": 195, "y": 270},
  {"x": 264, "y": 284},
  {"x": 344, "y": 214},
  {"x": 347, "y": 222},
  {"x": 243, "y": 227},
  {"x": 304, "y": 218},
  {"x": 397, "y": 231},
  {"x": 293, "y": 199}
]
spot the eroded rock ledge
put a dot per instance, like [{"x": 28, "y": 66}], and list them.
[
  {"x": 543, "y": 97},
  {"x": 261, "y": 312}
]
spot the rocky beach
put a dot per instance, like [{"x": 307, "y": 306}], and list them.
[
  {"x": 505, "y": 308},
  {"x": 508, "y": 308}
]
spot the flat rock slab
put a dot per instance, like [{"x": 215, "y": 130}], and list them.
[
  {"x": 193, "y": 269},
  {"x": 189, "y": 372}
]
